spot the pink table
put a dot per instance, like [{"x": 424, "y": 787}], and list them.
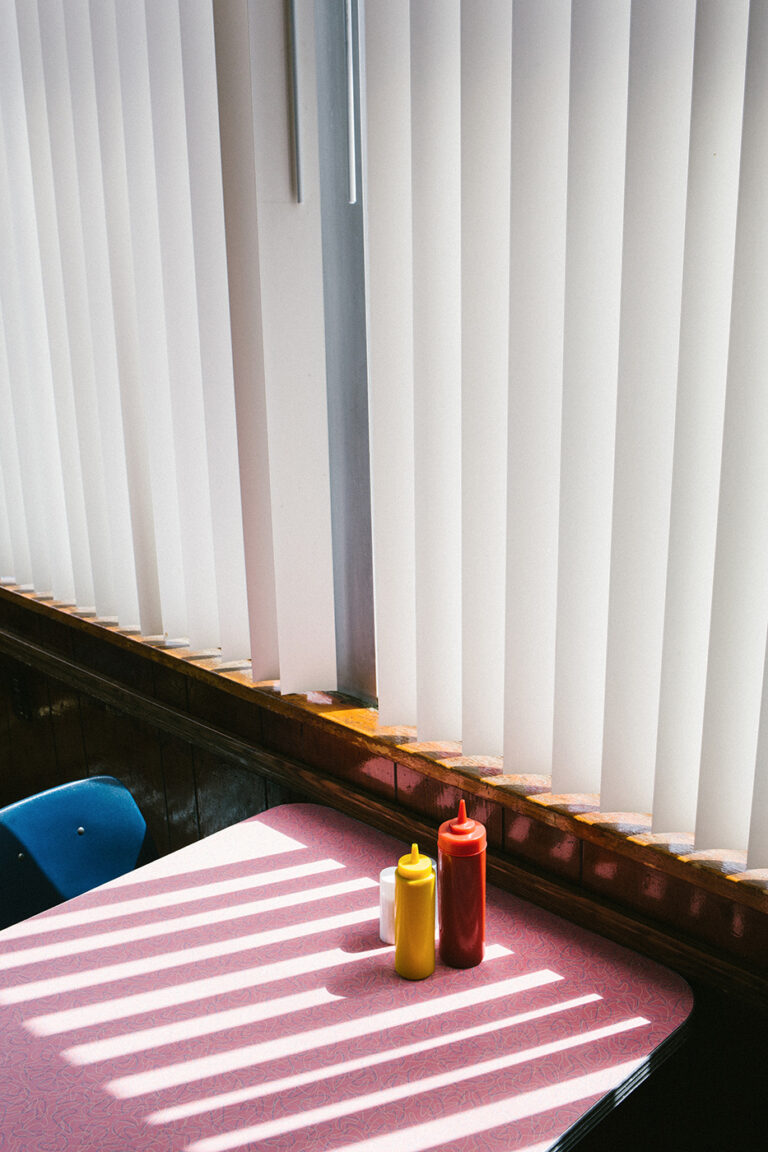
[{"x": 235, "y": 995}]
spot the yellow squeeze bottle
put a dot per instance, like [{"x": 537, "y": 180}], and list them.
[{"x": 414, "y": 916}]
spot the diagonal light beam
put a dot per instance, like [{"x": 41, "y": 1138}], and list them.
[
  {"x": 107, "y": 1011},
  {"x": 151, "y": 1038},
  {"x": 165, "y": 927},
  {"x": 314, "y": 1075},
  {"x": 181, "y": 958},
  {"x": 56, "y": 921},
  {"x": 225, "y": 1141},
  {"x": 188, "y": 1071}
]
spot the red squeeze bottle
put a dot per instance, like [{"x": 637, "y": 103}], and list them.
[{"x": 461, "y": 890}]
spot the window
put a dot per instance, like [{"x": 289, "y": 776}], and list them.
[{"x": 454, "y": 308}]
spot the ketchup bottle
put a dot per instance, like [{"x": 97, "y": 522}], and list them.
[{"x": 461, "y": 890}]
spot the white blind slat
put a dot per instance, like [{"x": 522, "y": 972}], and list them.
[
  {"x": 436, "y": 209},
  {"x": 20, "y": 562},
  {"x": 117, "y": 217},
  {"x": 100, "y": 307},
  {"x": 713, "y": 182},
  {"x": 757, "y": 844},
  {"x": 174, "y": 208},
  {"x": 486, "y": 62},
  {"x": 660, "y": 76},
  {"x": 204, "y": 151},
  {"x": 238, "y": 164},
  {"x": 55, "y": 304},
  {"x": 26, "y": 333},
  {"x": 389, "y": 262},
  {"x": 21, "y": 417},
  {"x": 82, "y": 338},
  {"x": 6, "y": 548},
  {"x": 539, "y": 154},
  {"x": 150, "y": 305},
  {"x": 290, "y": 259},
  {"x": 740, "y": 594},
  {"x": 20, "y": 424},
  {"x": 596, "y": 159},
  {"x": 40, "y": 378}
]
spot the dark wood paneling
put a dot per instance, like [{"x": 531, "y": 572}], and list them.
[
  {"x": 700, "y": 914},
  {"x": 347, "y": 761},
  {"x": 32, "y": 762},
  {"x": 556, "y": 851},
  {"x": 67, "y": 732},
  {"x": 55, "y": 635},
  {"x": 112, "y": 661},
  {"x": 170, "y": 686},
  {"x": 225, "y": 712},
  {"x": 178, "y": 764},
  {"x": 19, "y": 617},
  {"x": 121, "y": 745},
  {"x": 225, "y": 793},
  {"x": 6, "y": 774},
  {"x": 277, "y": 794},
  {"x": 177, "y": 758},
  {"x": 281, "y": 734}
]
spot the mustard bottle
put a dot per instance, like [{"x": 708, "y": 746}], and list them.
[{"x": 414, "y": 916}]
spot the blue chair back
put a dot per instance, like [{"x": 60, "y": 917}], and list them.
[{"x": 62, "y": 842}]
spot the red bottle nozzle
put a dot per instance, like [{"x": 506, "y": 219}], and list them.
[
  {"x": 461, "y": 836},
  {"x": 461, "y": 825}
]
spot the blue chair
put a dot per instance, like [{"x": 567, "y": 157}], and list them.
[{"x": 62, "y": 842}]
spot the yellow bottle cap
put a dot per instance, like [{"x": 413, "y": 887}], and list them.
[{"x": 414, "y": 866}]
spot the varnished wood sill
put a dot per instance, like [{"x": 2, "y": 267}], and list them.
[{"x": 627, "y": 834}]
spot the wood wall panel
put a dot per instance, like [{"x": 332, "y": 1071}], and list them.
[
  {"x": 120, "y": 745},
  {"x": 225, "y": 712},
  {"x": 8, "y": 783},
  {"x": 32, "y": 763},
  {"x": 225, "y": 793},
  {"x": 66, "y": 732},
  {"x": 178, "y": 765}
]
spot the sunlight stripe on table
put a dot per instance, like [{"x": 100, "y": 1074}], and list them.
[
  {"x": 248, "y": 842},
  {"x": 150, "y": 1038},
  {"x": 314, "y": 1075},
  {"x": 442, "y": 1132},
  {"x": 188, "y": 1071},
  {"x": 51, "y": 951},
  {"x": 181, "y": 958},
  {"x": 107, "y": 1011},
  {"x": 292, "y": 1123},
  {"x": 54, "y": 921}
]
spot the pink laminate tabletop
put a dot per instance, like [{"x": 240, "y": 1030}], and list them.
[{"x": 235, "y": 995}]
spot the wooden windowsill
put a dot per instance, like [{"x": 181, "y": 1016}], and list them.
[
  {"x": 612, "y": 856},
  {"x": 626, "y": 832}
]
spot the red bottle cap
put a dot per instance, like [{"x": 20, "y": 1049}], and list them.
[{"x": 461, "y": 836}]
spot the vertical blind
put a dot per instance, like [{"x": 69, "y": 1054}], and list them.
[
  {"x": 614, "y": 596},
  {"x": 559, "y": 369}
]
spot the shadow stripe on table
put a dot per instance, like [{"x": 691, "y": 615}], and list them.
[
  {"x": 164, "y": 927},
  {"x": 58, "y": 921},
  {"x": 122, "y": 1007},
  {"x": 314, "y": 1116},
  {"x": 187, "y": 1071},
  {"x": 327, "y": 1072},
  {"x": 181, "y": 958}
]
